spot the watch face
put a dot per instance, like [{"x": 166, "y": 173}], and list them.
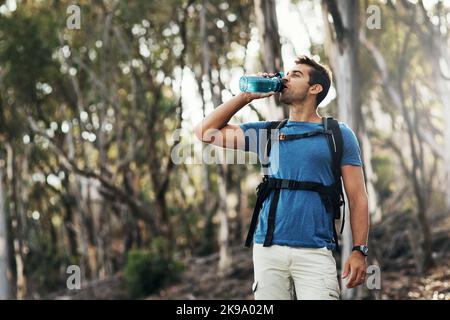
[{"x": 365, "y": 250}]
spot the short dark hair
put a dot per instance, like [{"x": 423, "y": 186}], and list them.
[{"x": 320, "y": 74}]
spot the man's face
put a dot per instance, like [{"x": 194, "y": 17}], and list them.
[{"x": 296, "y": 84}]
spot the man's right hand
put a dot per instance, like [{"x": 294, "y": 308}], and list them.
[{"x": 250, "y": 96}]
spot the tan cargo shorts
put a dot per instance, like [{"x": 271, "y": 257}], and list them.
[{"x": 283, "y": 273}]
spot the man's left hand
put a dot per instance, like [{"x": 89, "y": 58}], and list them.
[{"x": 355, "y": 267}]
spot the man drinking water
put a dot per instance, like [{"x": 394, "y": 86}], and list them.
[{"x": 292, "y": 229}]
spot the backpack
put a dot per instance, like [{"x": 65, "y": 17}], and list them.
[{"x": 331, "y": 196}]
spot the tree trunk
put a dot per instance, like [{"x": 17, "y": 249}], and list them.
[
  {"x": 443, "y": 88},
  {"x": 417, "y": 175},
  {"x": 224, "y": 229},
  {"x": 266, "y": 21},
  {"x": 4, "y": 259},
  {"x": 16, "y": 222},
  {"x": 343, "y": 52},
  {"x": 207, "y": 238},
  {"x": 436, "y": 47},
  {"x": 439, "y": 51},
  {"x": 69, "y": 231},
  {"x": 73, "y": 190},
  {"x": 223, "y": 240},
  {"x": 417, "y": 172}
]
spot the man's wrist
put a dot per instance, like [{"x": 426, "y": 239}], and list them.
[
  {"x": 362, "y": 249},
  {"x": 246, "y": 97},
  {"x": 358, "y": 254}
]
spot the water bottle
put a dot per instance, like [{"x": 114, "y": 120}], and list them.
[{"x": 261, "y": 84}]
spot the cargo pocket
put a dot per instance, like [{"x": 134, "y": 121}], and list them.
[{"x": 331, "y": 291}]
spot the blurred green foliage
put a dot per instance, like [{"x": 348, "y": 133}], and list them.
[{"x": 146, "y": 271}]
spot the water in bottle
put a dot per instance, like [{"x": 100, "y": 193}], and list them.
[{"x": 261, "y": 84}]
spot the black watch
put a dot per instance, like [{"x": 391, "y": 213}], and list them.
[{"x": 363, "y": 249}]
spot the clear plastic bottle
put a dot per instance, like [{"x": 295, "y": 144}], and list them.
[{"x": 261, "y": 84}]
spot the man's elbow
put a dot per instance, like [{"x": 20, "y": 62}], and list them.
[{"x": 200, "y": 133}]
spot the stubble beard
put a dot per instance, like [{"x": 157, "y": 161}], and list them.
[{"x": 288, "y": 98}]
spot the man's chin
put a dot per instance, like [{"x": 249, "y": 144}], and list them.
[{"x": 284, "y": 98}]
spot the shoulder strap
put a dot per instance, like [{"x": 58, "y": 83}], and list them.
[
  {"x": 336, "y": 144},
  {"x": 273, "y": 125}
]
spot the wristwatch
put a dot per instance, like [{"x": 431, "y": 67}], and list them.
[{"x": 363, "y": 249}]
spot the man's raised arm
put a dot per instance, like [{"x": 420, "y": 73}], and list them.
[{"x": 216, "y": 130}]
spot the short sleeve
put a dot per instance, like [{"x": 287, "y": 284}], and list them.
[
  {"x": 253, "y": 133},
  {"x": 351, "y": 153}
]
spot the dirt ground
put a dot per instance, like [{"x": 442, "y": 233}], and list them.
[{"x": 201, "y": 279}]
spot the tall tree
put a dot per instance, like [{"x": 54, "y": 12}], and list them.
[
  {"x": 435, "y": 38},
  {"x": 14, "y": 175},
  {"x": 267, "y": 23},
  {"x": 416, "y": 173},
  {"x": 4, "y": 259},
  {"x": 343, "y": 48},
  {"x": 223, "y": 234}
]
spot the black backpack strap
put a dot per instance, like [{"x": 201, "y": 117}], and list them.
[
  {"x": 262, "y": 192},
  {"x": 336, "y": 145},
  {"x": 263, "y": 189},
  {"x": 273, "y": 125}
]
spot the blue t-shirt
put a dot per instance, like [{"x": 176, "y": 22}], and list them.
[{"x": 301, "y": 219}]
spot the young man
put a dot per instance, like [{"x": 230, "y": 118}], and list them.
[{"x": 298, "y": 256}]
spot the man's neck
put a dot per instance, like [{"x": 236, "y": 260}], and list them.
[{"x": 304, "y": 112}]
